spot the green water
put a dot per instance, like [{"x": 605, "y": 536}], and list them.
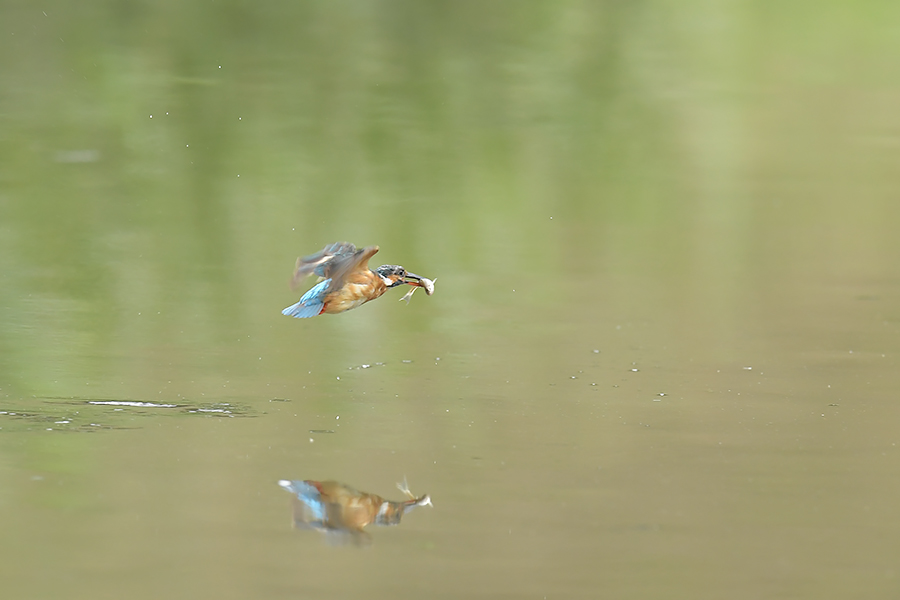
[{"x": 662, "y": 355}]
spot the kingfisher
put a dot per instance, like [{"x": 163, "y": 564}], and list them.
[
  {"x": 347, "y": 281},
  {"x": 338, "y": 509}
]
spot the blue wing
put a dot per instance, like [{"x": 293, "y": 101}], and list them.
[
  {"x": 311, "y": 302},
  {"x": 311, "y": 499}
]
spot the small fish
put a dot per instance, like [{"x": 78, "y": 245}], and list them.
[{"x": 425, "y": 283}]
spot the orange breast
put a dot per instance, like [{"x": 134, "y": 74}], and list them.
[{"x": 358, "y": 289}]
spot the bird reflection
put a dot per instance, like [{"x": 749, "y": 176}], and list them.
[
  {"x": 343, "y": 512},
  {"x": 346, "y": 281}
]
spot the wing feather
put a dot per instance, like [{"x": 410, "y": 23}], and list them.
[
  {"x": 333, "y": 262},
  {"x": 346, "y": 267}
]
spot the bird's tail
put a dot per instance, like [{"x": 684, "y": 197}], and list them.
[{"x": 302, "y": 310}]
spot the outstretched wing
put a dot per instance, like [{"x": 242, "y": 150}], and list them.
[
  {"x": 322, "y": 262},
  {"x": 333, "y": 262}
]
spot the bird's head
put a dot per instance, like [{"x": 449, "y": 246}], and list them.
[{"x": 394, "y": 275}]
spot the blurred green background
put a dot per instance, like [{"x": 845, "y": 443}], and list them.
[{"x": 693, "y": 203}]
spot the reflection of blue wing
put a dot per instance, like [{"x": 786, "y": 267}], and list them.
[
  {"x": 311, "y": 499},
  {"x": 311, "y": 303}
]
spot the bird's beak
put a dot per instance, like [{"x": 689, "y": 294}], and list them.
[{"x": 419, "y": 281}]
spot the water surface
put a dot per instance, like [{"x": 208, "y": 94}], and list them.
[{"x": 661, "y": 359}]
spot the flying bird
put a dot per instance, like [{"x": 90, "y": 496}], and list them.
[{"x": 346, "y": 281}]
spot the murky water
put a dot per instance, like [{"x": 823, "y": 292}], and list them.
[{"x": 661, "y": 359}]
